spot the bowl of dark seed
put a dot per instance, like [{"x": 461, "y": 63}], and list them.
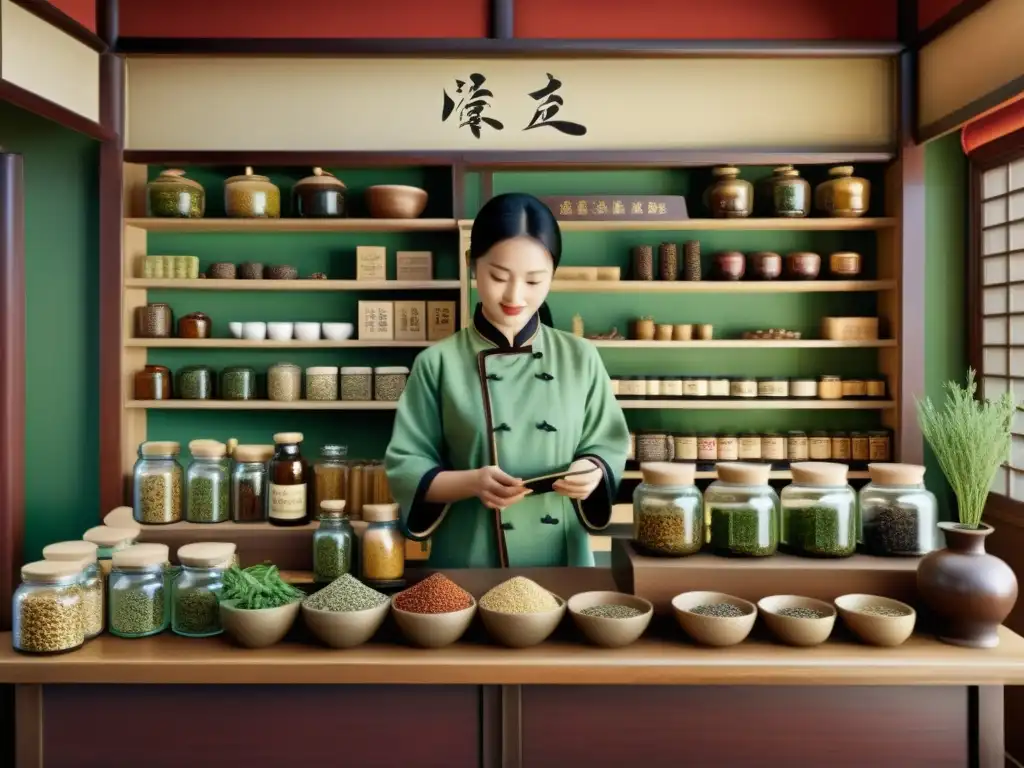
[
  {"x": 345, "y": 613},
  {"x": 877, "y": 620},
  {"x": 797, "y": 620},
  {"x": 433, "y": 613},
  {"x": 610, "y": 619},
  {"x": 519, "y": 612},
  {"x": 714, "y": 618}
]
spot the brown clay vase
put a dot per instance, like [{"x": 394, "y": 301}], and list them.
[{"x": 970, "y": 591}]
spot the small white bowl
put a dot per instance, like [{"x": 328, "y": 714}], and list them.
[
  {"x": 254, "y": 331},
  {"x": 236, "y": 329},
  {"x": 307, "y": 331},
  {"x": 338, "y": 331},
  {"x": 280, "y": 331}
]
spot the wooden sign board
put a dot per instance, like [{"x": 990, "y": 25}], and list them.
[{"x": 617, "y": 207}]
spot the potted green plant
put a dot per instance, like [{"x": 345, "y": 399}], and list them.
[
  {"x": 970, "y": 591},
  {"x": 257, "y": 606}
]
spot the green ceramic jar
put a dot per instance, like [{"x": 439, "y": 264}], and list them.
[{"x": 171, "y": 196}]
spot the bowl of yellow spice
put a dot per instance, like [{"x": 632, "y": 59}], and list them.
[{"x": 519, "y": 612}]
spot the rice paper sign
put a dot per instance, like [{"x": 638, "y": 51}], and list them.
[{"x": 618, "y": 207}]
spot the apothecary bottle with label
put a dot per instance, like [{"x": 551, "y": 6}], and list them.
[
  {"x": 899, "y": 516},
  {"x": 208, "y": 483},
  {"x": 195, "y": 591},
  {"x": 289, "y": 482},
  {"x": 741, "y": 511},
  {"x": 668, "y": 518},
  {"x": 158, "y": 481},
  {"x": 819, "y": 511}
]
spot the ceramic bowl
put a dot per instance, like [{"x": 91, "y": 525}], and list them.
[
  {"x": 257, "y": 628},
  {"x": 307, "y": 331},
  {"x": 610, "y": 633},
  {"x": 433, "y": 630},
  {"x": 338, "y": 331},
  {"x": 873, "y": 628},
  {"x": 254, "y": 331},
  {"x": 236, "y": 329},
  {"x": 344, "y": 629},
  {"x": 718, "y": 631},
  {"x": 251, "y": 270},
  {"x": 280, "y": 272},
  {"x": 794, "y": 630},
  {"x": 521, "y": 630},
  {"x": 280, "y": 331},
  {"x": 395, "y": 201}
]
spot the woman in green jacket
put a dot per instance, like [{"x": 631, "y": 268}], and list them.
[{"x": 502, "y": 403}]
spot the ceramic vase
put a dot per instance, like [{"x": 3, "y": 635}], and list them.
[{"x": 969, "y": 591}]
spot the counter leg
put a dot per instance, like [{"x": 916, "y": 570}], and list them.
[
  {"x": 501, "y": 718},
  {"x": 28, "y": 726},
  {"x": 988, "y": 748}
]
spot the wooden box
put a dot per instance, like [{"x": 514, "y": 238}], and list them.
[
  {"x": 371, "y": 262},
  {"x": 576, "y": 273},
  {"x": 376, "y": 321},
  {"x": 849, "y": 328},
  {"x": 415, "y": 265},
  {"x": 410, "y": 320},
  {"x": 440, "y": 320}
]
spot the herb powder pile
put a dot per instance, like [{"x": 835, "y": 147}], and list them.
[
  {"x": 519, "y": 595},
  {"x": 136, "y": 612},
  {"x": 738, "y": 531},
  {"x": 435, "y": 594},
  {"x": 801, "y": 613},
  {"x": 821, "y": 530},
  {"x": 719, "y": 610},
  {"x": 332, "y": 557},
  {"x": 611, "y": 611},
  {"x": 345, "y": 594},
  {"x": 882, "y": 610},
  {"x": 893, "y": 531},
  {"x": 207, "y": 500},
  {"x": 196, "y": 612}
]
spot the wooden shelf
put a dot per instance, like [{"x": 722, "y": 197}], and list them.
[
  {"x": 708, "y": 225},
  {"x": 756, "y": 404},
  {"x": 261, "y": 405},
  {"x": 293, "y": 225},
  {"x": 780, "y": 474},
  {"x": 293, "y": 285},
  {"x": 269, "y": 344},
  {"x": 743, "y": 344},
  {"x": 718, "y": 286}
]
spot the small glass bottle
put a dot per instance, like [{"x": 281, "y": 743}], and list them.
[
  {"x": 741, "y": 511},
  {"x": 899, "y": 516},
  {"x": 819, "y": 511},
  {"x": 668, "y": 515},
  {"x": 195, "y": 610},
  {"x": 157, "y": 484},
  {"x": 208, "y": 483},
  {"x": 289, "y": 482},
  {"x": 249, "y": 483},
  {"x": 137, "y": 591},
  {"x": 333, "y": 543},
  {"x": 382, "y": 560},
  {"x": 90, "y": 582},
  {"x": 47, "y": 608},
  {"x": 331, "y": 475},
  {"x": 108, "y": 541}
]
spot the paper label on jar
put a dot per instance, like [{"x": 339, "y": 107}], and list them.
[{"x": 287, "y": 502}]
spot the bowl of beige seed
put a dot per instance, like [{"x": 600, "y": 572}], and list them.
[
  {"x": 520, "y": 613},
  {"x": 610, "y": 619},
  {"x": 877, "y": 620}
]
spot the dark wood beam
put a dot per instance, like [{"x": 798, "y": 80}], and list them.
[
  {"x": 57, "y": 18},
  {"x": 946, "y": 22},
  {"x": 107, "y": 21},
  {"x": 32, "y": 102},
  {"x": 968, "y": 112},
  {"x": 503, "y": 13}
]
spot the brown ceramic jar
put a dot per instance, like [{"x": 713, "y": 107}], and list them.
[
  {"x": 844, "y": 264},
  {"x": 803, "y": 265},
  {"x": 765, "y": 265},
  {"x": 729, "y": 197},
  {"x": 730, "y": 265},
  {"x": 153, "y": 383},
  {"x": 194, "y": 326},
  {"x": 154, "y": 321},
  {"x": 843, "y": 195}
]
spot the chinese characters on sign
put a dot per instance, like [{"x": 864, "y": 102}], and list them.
[
  {"x": 475, "y": 100},
  {"x": 612, "y": 207}
]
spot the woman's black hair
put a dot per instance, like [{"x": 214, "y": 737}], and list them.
[{"x": 516, "y": 215}]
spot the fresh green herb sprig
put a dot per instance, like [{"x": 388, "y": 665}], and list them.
[{"x": 258, "y": 586}]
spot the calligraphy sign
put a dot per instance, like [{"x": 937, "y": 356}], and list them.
[{"x": 617, "y": 207}]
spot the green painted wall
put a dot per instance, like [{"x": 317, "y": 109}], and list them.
[
  {"x": 946, "y": 246},
  {"x": 61, "y": 367}
]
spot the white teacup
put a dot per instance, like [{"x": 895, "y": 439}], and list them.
[
  {"x": 338, "y": 331},
  {"x": 254, "y": 331},
  {"x": 307, "y": 331},
  {"x": 280, "y": 331},
  {"x": 236, "y": 329}
]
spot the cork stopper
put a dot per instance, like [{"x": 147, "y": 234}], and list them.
[
  {"x": 896, "y": 474},
  {"x": 160, "y": 448},
  {"x": 287, "y": 438},
  {"x": 379, "y": 513},
  {"x": 121, "y": 517},
  {"x": 333, "y": 508},
  {"x": 818, "y": 473},
  {"x": 208, "y": 449},
  {"x": 141, "y": 556},
  {"x": 212, "y": 554},
  {"x": 668, "y": 473},
  {"x": 744, "y": 474},
  {"x": 105, "y": 536},
  {"x": 71, "y": 551},
  {"x": 250, "y": 453},
  {"x": 51, "y": 571}
]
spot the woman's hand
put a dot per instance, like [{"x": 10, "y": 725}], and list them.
[
  {"x": 496, "y": 489},
  {"x": 579, "y": 486}
]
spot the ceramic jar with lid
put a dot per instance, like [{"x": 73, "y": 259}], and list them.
[
  {"x": 898, "y": 515},
  {"x": 195, "y": 325},
  {"x": 667, "y": 510},
  {"x": 153, "y": 383},
  {"x": 170, "y": 195},
  {"x": 195, "y": 382},
  {"x": 729, "y": 196},
  {"x": 803, "y": 265},
  {"x": 844, "y": 264},
  {"x": 765, "y": 265},
  {"x": 791, "y": 195},
  {"x": 154, "y": 321},
  {"x": 251, "y": 196},
  {"x": 320, "y": 196},
  {"x": 238, "y": 382},
  {"x": 730, "y": 265},
  {"x": 843, "y": 195},
  {"x": 819, "y": 511},
  {"x": 741, "y": 511}
]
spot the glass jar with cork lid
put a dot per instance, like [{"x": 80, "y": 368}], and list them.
[
  {"x": 382, "y": 561},
  {"x": 208, "y": 483},
  {"x": 333, "y": 543},
  {"x": 47, "y": 608},
  {"x": 289, "y": 482},
  {"x": 195, "y": 591},
  {"x": 819, "y": 511},
  {"x": 668, "y": 517},
  {"x": 108, "y": 541},
  {"x": 899, "y": 516},
  {"x": 250, "y": 483},
  {"x": 137, "y": 591},
  {"x": 158, "y": 479},
  {"x": 90, "y": 582},
  {"x": 741, "y": 511}
]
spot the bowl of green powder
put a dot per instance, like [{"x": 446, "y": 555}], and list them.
[
  {"x": 519, "y": 612},
  {"x": 714, "y": 618},
  {"x": 610, "y": 619},
  {"x": 345, "y": 613}
]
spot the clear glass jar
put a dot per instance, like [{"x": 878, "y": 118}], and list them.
[
  {"x": 136, "y": 591},
  {"x": 47, "y": 608},
  {"x": 667, "y": 516},
  {"x": 331, "y": 475},
  {"x": 383, "y": 545},
  {"x": 898, "y": 515},
  {"x": 91, "y": 581},
  {"x": 195, "y": 610},
  {"x": 290, "y": 496},
  {"x": 356, "y": 383},
  {"x": 819, "y": 511},
  {"x": 157, "y": 484},
  {"x": 284, "y": 382},
  {"x": 108, "y": 541},
  {"x": 741, "y": 511},
  {"x": 389, "y": 382},
  {"x": 322, "y": 382},
  {"x": 333, "y": 543},
  {"x": 208, "y": 483},
  {"x": 250, "y": 483}
]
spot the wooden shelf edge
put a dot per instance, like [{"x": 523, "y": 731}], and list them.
[
  {"x": 291, "y": 285},
  {"x": 270, "y": 344},
  {"x": 718, "y": 286},
  {"x": 758, "y": 404},
  {"x": 705, "y": 225},
  {"x": 779, "y": 474},
  {"x": 291, "y": 225},
  {"x": 259, "y": 405},
  {"x": 759, "y": 344}
]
